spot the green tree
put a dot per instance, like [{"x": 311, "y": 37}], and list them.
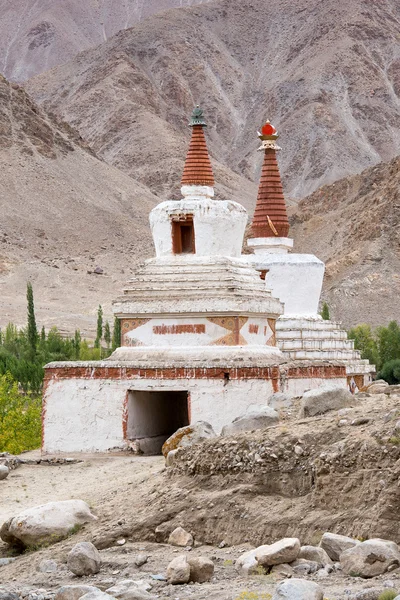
[
  {"x": 77, "y": 343},
  {"x": 116, "y": 339},
  {"x": 390, "y": 372},
  {"x": 20, "y": 418},
  {"x": 325, "y": 312},
  {"x": 99, "y": 333},
  {"x": 107, "y": 334},
  {"x": 365, "y": 342},
  {"x": 388, "y": 339},
  {"x": 32, "y": 331}
]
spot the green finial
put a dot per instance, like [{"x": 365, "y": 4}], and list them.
[{"x": 197, "y": 117}]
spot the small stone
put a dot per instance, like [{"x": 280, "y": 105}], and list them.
[
  {"x": 73, "y": 592},
  {"x": 47, "y": 566},
  {"x": 98, "y": 271},
  {"x": 178, "y": 570},
  {"x": 84, "y": 559},
  {"x": 4, "y": 472},
  {"x": 201, "y": 569},
  {"x": 120, "y": 542},
  {"x": 180, "y": 537},
  {"x": 141, "y": 560}
]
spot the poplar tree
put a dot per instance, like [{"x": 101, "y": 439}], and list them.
[
  {"x": 107, "y": 334},
  {"x": 116, "y": 340},
  {"x": 32, "y": 332},
  {"x": 325, "y": 312},
  {"x": 99, "y": 333}
]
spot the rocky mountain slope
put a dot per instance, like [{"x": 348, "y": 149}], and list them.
[
  {"x": 36, "y": 35},
  {"x": 64, "y": 212},
  {"x": 353, "y": 225},
  {"x": 327, "y": 74}
]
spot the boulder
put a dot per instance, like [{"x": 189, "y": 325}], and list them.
[
  {"x": 302, "y": 566},
  {"x": 4, "y": 472},
  {"x": 201, "y": 569},
  {"x": 297, "y": 589},
  {"x": 370, "y": 558},
  {"x": 324, "y": 399},
  {"x": 334, "y": 544},
  {"x": 257, "y": 418},
  {"x": 282, "y": 570},
  {"x": 45, "y": 524},
  {"x": 283, "y": 551},
  {"x": 130, "y": 590},
  {"x": 84, "y": 559},
  {"x": 178, "y": 570},
  {"x": 377, "y": 387},
  {"x": 247, "y": 563},
  {"x": 316, "y": 554},
  {"x": 280, "y": 400},
  {"x": 74, "y": 592},
  {"x": 180, "y": 537},
  {"x": 187, "y": 436}
]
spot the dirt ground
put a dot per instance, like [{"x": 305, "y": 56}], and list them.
[{"x": 137, "y": 499}]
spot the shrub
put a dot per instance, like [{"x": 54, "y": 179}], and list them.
[
  {"x": 390, "y": 371},
  {"x": 387, "y": 595}
]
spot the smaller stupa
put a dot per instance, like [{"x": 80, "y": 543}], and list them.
[{"x": 296, "y": 279}]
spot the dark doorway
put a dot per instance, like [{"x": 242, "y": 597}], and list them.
[
  {"x": 154, "y": 416},
  {"x": 183, "y": 235}
]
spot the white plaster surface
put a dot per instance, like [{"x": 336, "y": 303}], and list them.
[
  {"x": 296, "y": 279},
  {"x": 271, "y": 244},
  {"x": 218, "y": 226},
  {"x": 296, "y": 387},
  {"x": 87, "y": 415}
]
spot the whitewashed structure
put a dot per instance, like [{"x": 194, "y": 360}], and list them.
[
  {"x": 198, "y": 334},
  {"x": 296, "y": 279}
]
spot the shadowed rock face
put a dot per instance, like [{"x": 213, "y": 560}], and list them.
[
  {"x": 353, "y": 225},
  {"x": 37, "y": 35},
  {"x": 327, "y": 75}
]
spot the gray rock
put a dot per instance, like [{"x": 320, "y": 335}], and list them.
[
  {"x": 283, "y": 570},
  {"x": 47, "y": 566},
  {"x": 73, "y": 592},
  {"x": 316, "y": 554},
  {"x": 178, "y": 570},
  {"x": 258, "y": 418},
  {"x": 370, "y": 558},
  {"x": 247, "y": 563},
  {"x": 8, "y": 596},
  {"x": 370, "y": 594},
  {"x": 141, "y": 560},
  {"x": 130, "y": 590},
  {"x": 4, "y": 472},
  {"x": 334, "y": 544},
  {"x": 97, "y": 595},
  {"x": 201, "y": 569},
  {"x": 283, "y": 551},
  {"x": 324, "y": 399},
  {"x": 180, "y": 537},
  {"x": 187, "y": 436},
  {"x": 297, "y": 589},
  {"x": 302, "y": 566},
  {"x": 280, "y": 400},
  {"x": 170, "y": 458},
  {"x": 47, "y": 523},
  {"x": 84, "y": 559},
  {"x": 6, "y": 561}
]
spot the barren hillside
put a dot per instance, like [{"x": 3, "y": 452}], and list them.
[
  {"x": 353, "y": 225},
  {"x": 327, "y": 74},
  {"x": 36, "y": 35},
  {"x": 64, "y": 212}
]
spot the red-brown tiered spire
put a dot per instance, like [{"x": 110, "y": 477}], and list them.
[
  {"x": 270, "y": 216},
  {"x": 198, "y": 169}
]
